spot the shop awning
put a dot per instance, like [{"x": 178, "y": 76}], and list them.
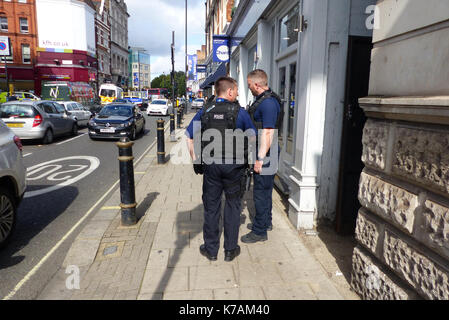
[{"x": 220, "y": 72}]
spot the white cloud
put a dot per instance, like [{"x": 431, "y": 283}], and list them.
[{"x": 151, "y": 24}]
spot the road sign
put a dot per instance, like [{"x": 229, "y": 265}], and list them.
[{"x": 4, "y": 46}]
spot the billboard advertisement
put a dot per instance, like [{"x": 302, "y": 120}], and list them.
[
  {"x": 192, "y": 61},
  {"x": 75, "y": 23}
]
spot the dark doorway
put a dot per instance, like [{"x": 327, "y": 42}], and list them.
[{"x": 357, "y": 85}]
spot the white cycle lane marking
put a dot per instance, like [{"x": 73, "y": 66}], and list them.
[
  {"x": 67, "y": 170},
  {"x": 36, "y": 268},
  {"x": 79, "y": 136}
]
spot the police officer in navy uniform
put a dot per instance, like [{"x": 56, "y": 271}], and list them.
[
  {"x": 223, "y": 168},
  {"x": 266, "y": 114}
]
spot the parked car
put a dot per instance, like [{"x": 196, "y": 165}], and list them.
[
  {"x": 159, "y": 107},
  {"x": 77, "y": 112},
  {"x": 198, "y": 103},
  {"x": 116, "y": 120},
  {"x": 12, "y": 181},
  {"x": 121, "y": 101},
  {"x": 37, "y": 119},
  {"x": 144, "y": 105},
  {"x": 21, "y": 95}
]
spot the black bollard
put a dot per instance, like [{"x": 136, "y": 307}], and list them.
[
  {"x": 172, "y": 127},
  {"x": 127, "y": 190},
  {"x": 160, "y": 142},
  {"x": 178, "y": 120}
]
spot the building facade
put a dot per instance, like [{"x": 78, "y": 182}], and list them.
[
  {"x": 140, "y": 69},
  {"x": 218, "y": 19},
  {"x": 18, "y": 23},
  {"x": 403, "y": 226},
  {"x": 68, "y": 52},
  {"x": 119, "y": 42},
  {"x": 103, "y": 40},
  {"x": 317, "y": 56}
]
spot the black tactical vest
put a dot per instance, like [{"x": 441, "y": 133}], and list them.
[
  {"x": 220, "y": 116},
  {"x": 252, "y": 109}
]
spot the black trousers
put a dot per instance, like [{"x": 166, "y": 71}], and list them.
[{"x": 218, "y": 178}]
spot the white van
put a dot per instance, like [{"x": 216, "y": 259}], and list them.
[{"x": 109, "y": 93}]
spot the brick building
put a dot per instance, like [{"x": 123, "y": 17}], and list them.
[{"x": 18, "y": 22}]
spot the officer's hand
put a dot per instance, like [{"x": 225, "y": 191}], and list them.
[{"x": 258, "y": 166}]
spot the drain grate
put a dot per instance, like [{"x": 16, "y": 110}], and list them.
[{"x": 110, "y": 250}]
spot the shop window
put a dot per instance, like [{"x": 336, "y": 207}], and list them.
[
  {"x": 252, "y": 58},
  {"x": 282, "y": 84},
  {"x": 291, "y": 108},
  {"x": 22, "y": 1},
  {"x": 23, "y": 22},
  {"x": 3, "y": 23},
  {"x": 289, "y": 28},
  {"x": 26, "y": 54}
]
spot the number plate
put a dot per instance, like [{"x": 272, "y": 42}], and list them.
[
  {"x": 15, "y": 125},
  {"x": 109, "y": 130}
]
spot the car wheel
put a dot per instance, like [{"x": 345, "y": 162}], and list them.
[
  {"x": 132, "y": 134},
  {"x": 8, "y": 214},
  {"x": 75, "y": 129},
  {"x": 48, "y": 137}
]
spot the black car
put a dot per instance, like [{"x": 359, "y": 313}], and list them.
[{"x": 117, "y": 120}]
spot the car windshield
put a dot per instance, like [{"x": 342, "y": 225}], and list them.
[
  {"x": 159, "y": 102},
  {"x": 107, "y": 93},
  {"x": 122, "y": 111},
  {"x": 16, "y": 111}
]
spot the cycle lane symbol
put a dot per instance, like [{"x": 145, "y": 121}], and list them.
[{"x": 64, "y": 171}]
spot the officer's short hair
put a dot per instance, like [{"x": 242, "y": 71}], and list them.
[
  {"x": 223, "y": 84},
  {"x": 259, "y": 76}
]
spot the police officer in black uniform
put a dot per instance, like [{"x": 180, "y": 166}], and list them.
[
  {"x": 266, "y": 114},
  {"x": 223, "y": 166}
]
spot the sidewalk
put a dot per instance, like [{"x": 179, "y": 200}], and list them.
[{"x": 159, "y": 257}]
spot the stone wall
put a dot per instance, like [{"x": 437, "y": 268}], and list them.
[{"x": 403, "y": 226}]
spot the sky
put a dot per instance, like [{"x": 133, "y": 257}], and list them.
[{"x": 150, "y": 26}]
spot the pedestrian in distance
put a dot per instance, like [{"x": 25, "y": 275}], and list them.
[
  {"x": 222, "y": 168},
  {"x": 266, "y": 114}
]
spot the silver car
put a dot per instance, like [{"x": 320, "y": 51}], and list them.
[
  {"x": 37, "y": 120},
  {"x": 198, "y": 103},
  {"x": 77, "y": 112},
  {"x": 12, "y": 181}
]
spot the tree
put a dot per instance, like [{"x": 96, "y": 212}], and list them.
[{"x": 164, "y": 81}]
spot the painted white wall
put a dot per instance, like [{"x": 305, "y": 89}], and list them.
[
  {"x": 399, "y": 17},
  {"x": 243, "y": 86},
  {"x": 254, "y": 12},
  {"x": 66, "y": 24}
]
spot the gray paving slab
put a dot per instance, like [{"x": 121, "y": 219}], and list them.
[{"x": 159, "y": 258}]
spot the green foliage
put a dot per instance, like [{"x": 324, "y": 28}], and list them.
[{"x": 164, "y": 81}]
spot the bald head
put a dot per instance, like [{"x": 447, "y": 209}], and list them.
[
  {"x": 259, "y": 76},
  {"x": 257, "y": 82}
]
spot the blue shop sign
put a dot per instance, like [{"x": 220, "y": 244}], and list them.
[{"x": 220, "y": 48}]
